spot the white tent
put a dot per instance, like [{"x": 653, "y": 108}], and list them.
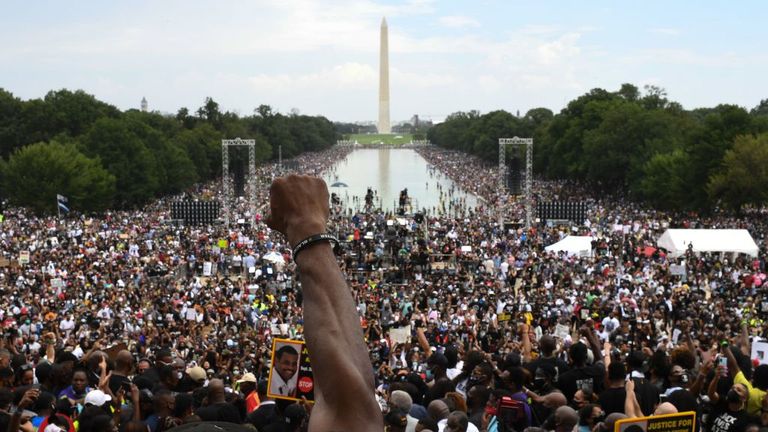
[
  {"x": 677, "y": 241},
  {"x": 573, "y": 245}
]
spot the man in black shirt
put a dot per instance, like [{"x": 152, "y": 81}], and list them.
[
  {"x": 612, "y": 398},
  {"x": 547, "y": 345},
  {"x": 583, "y": 376},
  {"x": 218, "y": 409}
]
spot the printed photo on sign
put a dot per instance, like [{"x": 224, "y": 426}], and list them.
[{"x": 290, "y": 376}]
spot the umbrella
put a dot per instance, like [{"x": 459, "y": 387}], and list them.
[{"x": 339, "y": 184}]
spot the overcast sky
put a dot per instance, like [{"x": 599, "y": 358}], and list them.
[{"x": 321, "y": 56}]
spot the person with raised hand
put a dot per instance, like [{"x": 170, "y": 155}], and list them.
[{"x": 344, "y": 381}]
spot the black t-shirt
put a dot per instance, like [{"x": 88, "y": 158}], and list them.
[
  {"x": 264, "y": 415},
  {"x": 647, "y": 395},
  {"x": 560, "y": 366},
  {"x": 225, "y": 412},
  {"x": 730, "y": 421},
  {"x": 611, "y": 400},
  {"x": 582, "y": 378}
]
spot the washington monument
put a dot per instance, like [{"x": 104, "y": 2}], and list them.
[{"x": 384, "y": 127}]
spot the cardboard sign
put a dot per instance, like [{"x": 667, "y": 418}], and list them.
[
  {"x": 290, "y": 374},
  {"x": 680, "y": 422},
  {"x": 760, "y": 351},
  {"x": 400, "y": 335},
  {"x": 677, "y": 269},
  {"x": 562, "y": 331},
  {"x": 24, "y": 257}
]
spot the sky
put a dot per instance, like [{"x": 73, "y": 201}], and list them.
[{"x": 321, "y": 57}]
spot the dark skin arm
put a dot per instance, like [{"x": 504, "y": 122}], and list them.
[{"x": 299, "y": 209}]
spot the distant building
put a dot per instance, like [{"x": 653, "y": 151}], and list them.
[{"x": 144, "y": 104}]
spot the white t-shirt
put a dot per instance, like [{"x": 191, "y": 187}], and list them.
[
  {"x": 278, "y": 386},
  {"x": 444, "y": 422}
]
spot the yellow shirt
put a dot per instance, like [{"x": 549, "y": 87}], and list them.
[{"x": 755, "y": 401}]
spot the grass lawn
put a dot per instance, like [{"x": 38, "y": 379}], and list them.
[{"x": 394, "y": 139}]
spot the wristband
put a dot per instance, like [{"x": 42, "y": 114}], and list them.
[{"x": 317, "y": 238}]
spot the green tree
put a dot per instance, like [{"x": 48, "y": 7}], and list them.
[
  {"x": 744, "y": 177},
  {"x": 664, "y": 181},
  {"x": 10, "y": 117},
  {"x": 126, "y": 157},
  {"x": 203, "y": 146},
  {"x": 35, "y": 174}
]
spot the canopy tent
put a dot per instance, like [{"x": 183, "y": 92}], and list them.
[
  {"x": 677, "y": 241},
  {"x": 573, "y": 245}
]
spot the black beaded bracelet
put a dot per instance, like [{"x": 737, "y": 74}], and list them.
[{"x": 315, "y": 239}]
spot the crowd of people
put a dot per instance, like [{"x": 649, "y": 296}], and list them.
[{"x": 131, "y": 320}]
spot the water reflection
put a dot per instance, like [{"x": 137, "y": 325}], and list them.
[{"x": 387, "y": 172}]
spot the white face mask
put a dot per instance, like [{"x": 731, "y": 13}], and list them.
[{"x": 179, "y": 374}]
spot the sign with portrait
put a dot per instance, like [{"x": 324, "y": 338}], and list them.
[{"x": 290, "y": 374}]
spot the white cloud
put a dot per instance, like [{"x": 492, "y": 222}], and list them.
[{"x": 458, "y": 21}]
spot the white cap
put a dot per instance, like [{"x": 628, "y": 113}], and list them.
[{"x": 97, "y": 398}]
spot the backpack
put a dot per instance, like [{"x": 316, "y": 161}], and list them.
[{"x": 512, "y": 415}]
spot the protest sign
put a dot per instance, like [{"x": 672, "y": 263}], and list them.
[
  {"x": 207, "y": 266},
  {"x": 400, "y": 335},
  {"x": 504, "y": 317},
  {"x": 677, "y": 269},
  {"x": 290, "y": 376},
  {"x": 760, "y": 351},
  {"x": 562, "y": 331},
  {"x": 680, "y": 422},
  {"x": 24, "y": 257}
]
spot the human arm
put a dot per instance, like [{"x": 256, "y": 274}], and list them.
[
  {"x": 631, "y": 406},
  {"x": 526, "y": 339},
  {"x": 698, "y": 384},
  {"x": 29, "y": 398},
  {"x": 733, "y": 366},
  {"x": 423, "y": 342},
  {"x": 135, "y": 401},
  {"x": 712, "y": 390},
  {"x": 299, "y": 209}
]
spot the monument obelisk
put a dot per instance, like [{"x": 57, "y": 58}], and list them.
[{"x": 384, "y": 126}]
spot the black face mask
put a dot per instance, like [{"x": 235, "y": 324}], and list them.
[
  {"x": 539, "y": 383},
  {"x": 732, "y": 397}
]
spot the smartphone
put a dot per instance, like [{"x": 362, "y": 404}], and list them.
[{"x": 722, "y": 361}]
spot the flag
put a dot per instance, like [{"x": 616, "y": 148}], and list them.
[{"x": 61, "y": 201}]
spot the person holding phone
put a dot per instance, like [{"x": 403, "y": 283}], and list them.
[{"x": 756, "y": 389}]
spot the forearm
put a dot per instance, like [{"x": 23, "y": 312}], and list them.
[
  {"x": 333, "y": 334},
  {"x": 712, "y": 390}
]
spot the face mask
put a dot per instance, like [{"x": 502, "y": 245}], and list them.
[
  {"x": 539, "y": 383},
  {"x": 732, "y": 396},
  {"x": 430, "y": 375},
  {"x": 179, "y": 375}
]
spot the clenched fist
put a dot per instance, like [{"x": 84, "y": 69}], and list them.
[{"x": 298, "y": 207}]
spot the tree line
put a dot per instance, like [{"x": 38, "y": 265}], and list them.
[
  {"x": 634, "y": 142},
  {"x": 72, "y": 144}
]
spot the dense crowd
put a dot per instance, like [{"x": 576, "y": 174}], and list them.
[{"x": 131, "y": 320}]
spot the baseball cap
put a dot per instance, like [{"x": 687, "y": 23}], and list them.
[
  {"x": 249, "y": 377},
  {"x": 196, "y": 373},
  {"x": 97, "y": 398}
]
